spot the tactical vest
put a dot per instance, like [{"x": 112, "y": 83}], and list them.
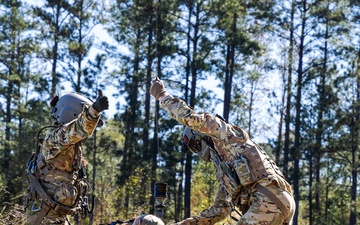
[
  {"x": 237, "y": 176},
  {"x": 253, "y": 164},
  {"x": 39, "y": 188}
]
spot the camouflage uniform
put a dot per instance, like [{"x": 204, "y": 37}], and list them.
[
  {"x": 229, "y": 142},
  {"x": 147, "y": 219},
  {"x": 61, "y": 171}
]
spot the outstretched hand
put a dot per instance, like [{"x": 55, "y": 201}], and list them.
[
  {"x": 101, "y": 103},
  {"x": 157, "y": 88}
]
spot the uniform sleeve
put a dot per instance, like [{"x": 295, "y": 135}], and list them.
[
  {"x": 80, "y": 128},
  {"x": 203, "y": 122},
  {"x": 72, "y": 132},
  {"x": 214, "y": 214},
  {"x": 218, "y": 211}
]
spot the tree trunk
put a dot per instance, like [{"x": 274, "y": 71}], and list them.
[
  {"x": 194, "y": 71},
  {"x": 227, "y": 84},
  {"x": 178, "y": 207},
  {"x": 7, "y": 148},
  {"x": 310, "y": 195},
  {"x": 320, "y": 128},
  {"x": 187, "y": 188},
  {"x": 55, "y": 79},
  {"x": 354, "y": 154},
  {"x": 229, "y": 71},
  {"x": 91, "y": 215},
  {"x": 281, "y": 121},
  {"x": 289, "y": 94},
  {"x": 297, "y": 147},
  {"x": 148, "y": 78}
]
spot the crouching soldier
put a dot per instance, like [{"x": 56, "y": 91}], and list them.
[
  {"x": 249, "y": 179},
  {"x": 58, "y": 183}
]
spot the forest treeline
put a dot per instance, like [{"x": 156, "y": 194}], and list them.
[{"x": 288, "y": 71}]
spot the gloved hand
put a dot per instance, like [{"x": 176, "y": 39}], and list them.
[
  {"x": 157, "y": 88},
  {"x": 101, "y": 103},
  {"x": 188, "y": 221}
]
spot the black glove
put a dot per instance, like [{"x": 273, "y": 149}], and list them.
[{"x": 101, "y": 103}]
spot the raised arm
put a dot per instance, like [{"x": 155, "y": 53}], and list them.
[{"x": 203, "y": 122}]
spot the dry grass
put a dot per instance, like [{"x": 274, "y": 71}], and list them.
[{"x": 12, "y": 215}]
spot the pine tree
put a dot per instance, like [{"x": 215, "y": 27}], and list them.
[
  {"x": 196, "y": 56},
  {"x": 143, "y": 28},
  {"x": 83, "y": 19},
  {"x": 52, "y": 18},
  {"x": 17, "y": 81}
]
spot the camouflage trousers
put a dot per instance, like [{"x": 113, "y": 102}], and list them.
[
  {"x": 66, "y": 194},
  {"x": 262, "y": 211},
  {"x": 51, "y": 217}
]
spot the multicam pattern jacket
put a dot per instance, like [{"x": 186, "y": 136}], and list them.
[
  {"x": 58, "y": 165},
  {"x": 60, "y": 154},
  {"x": 58, "y": 147},
  {"x": 230, "y": 142}
]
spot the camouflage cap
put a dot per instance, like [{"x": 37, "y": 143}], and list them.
[{"x": 146, "y": 219}]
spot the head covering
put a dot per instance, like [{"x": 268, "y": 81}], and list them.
[
  {"x": 68, "y": 107},
  {"x": 197, "y": 142},
  {"x": 146, "y": 219}
]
